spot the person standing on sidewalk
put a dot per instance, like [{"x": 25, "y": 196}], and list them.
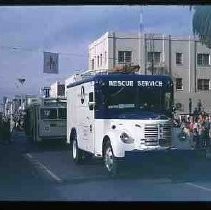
[
  {"x": 199, "y": 106},
  {"x": 206, "y": 132},
  {"x": 196, "y": 139}
]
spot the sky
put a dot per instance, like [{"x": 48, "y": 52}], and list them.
[{"x": 27, "y": 31}]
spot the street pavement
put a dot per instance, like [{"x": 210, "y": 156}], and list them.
[
  {"x": 19, "y": 180},
  {"x": 46, "y": 172}
]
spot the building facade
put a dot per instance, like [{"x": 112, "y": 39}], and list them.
[
  {"x": 57, "y": 90},
  {"x": 185, "y": 59}
]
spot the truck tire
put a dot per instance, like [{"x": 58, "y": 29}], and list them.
[
  {"x": 110, "y": 161},
  {"x": 77, "y": 154}
]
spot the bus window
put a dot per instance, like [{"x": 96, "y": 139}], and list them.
[
  {"x": 62, "y": 113},
  {"x": 48, "y": 113}
]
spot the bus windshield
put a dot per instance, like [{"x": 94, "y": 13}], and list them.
[
  {"x": 48, "y": 113},
  {"x": 62, "y": 113}
]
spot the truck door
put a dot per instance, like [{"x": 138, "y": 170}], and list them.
[
  {"x": 85, "y": 119},
  {"x": 90, "y": 122}
]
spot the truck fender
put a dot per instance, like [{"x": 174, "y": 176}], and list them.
[{"x": 116, "y": 143}]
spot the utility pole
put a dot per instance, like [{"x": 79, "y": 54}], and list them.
[
  {"x": 145, "y": 54},
  {"x": 151, "y": 49},
  {"x": 141, "y": 30},
  {"x": 153, "y": 54}
]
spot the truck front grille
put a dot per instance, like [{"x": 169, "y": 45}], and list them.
[
  {"x": 151, "y": 131},
  {"x": 157, "y": 134},
  {"x": 167, "y": 131}
]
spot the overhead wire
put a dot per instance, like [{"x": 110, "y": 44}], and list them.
[{"x": 41, "y": 51}]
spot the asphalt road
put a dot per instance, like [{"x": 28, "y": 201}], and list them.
[{"x": 45, "y": 172}]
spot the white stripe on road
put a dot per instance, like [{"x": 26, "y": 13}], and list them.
[
  {"x": 29, "y": 155},
  {"x": 198, "y": 186},
  {"x": 43, "y": 167}
]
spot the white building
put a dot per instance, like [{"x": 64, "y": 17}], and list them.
[
  {"x": 185, "y": 59},
  {"x": 57, "y": 89}
]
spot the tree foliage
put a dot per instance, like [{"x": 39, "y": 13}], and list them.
[{"x": 201, "y": 24}]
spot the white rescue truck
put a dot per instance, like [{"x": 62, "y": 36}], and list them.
[{"x": 113, "y": 115}]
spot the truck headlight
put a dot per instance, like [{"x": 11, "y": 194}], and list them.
[{"x": 126, "y": 138}]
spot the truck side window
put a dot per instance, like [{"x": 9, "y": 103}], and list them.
[
  {"x": 91, "y": 98},
  {"x": 91, "y": 101}
]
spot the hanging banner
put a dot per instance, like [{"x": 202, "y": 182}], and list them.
[{"x": 51, "y": 63}]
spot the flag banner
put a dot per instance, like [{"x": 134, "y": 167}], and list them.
[{"x": 51, "y": 62}]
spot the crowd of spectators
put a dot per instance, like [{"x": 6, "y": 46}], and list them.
[{"x": 196, "y": 126}]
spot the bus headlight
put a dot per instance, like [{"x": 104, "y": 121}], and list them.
[{"x": 126, "y": 138}]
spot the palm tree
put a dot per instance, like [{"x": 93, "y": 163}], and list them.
[{"x": 201, "y": 24}]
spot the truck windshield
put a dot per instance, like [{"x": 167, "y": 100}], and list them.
[{"x": 136, "y": 98}]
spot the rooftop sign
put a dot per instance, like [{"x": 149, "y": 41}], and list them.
[{"x": 144, "y": 83}]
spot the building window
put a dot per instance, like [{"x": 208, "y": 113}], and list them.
[
  {"x": 98, "y": 61},
  {"x": 179, "y": 58},
  {"x": 153, "y": 57},
  {"x": 124, "y": 56},
  {"x": 203, "y": 59},
  {"x": 179, "y": 85},
  {"x": 203, "y": 84},
  {"x": 60, "y": 90},
  {"x": 93, "y": 64},
  {"x": 101, "y": 59}
]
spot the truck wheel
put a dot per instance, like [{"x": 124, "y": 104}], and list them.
[
  {"x": 76, "y": 152},
  {"x": 110, "y": 160}
]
